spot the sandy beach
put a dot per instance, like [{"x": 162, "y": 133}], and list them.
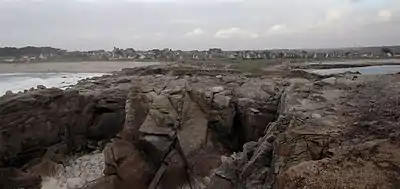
[{"x": 69, "y": 67}]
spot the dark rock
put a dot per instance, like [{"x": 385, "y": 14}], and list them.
[
  {"x": 135, "y": 171},
  {"x": 53, "y": 116},
  {"x": 41, "y": 87},
  {"x": 179, "y": 126},
  {"x": 9, "y": 93},
  {"x": 192, "y": 135},
  {"x": 221, "y": 118},
  {"x": 261, "y": 158},
  {"x": 122, "y": 159},
  {"x": 11, "y": 178},
  {"x": 136, "y": 109},
  {"x": 230, "y": 166},
  {"x": 123, "y": 80},
  {"x": 175, "y": 175},
  {"x": 117, "y": 151},
  {"x": 220, "y": 183},
  {"x": 254, "y": 117},
  {"x": 45, "y": 168},
  {"x": 108, "y": 125},
  {"x": 156, "y": 147},
  {"x": 109, "y": 182},
  {"x": 161, "y": 114}
]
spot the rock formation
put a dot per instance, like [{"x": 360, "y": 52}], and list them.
[
  {"x": 181, "y": 124},
  {"x": 189, "y": 127}
]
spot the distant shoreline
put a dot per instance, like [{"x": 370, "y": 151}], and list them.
[{"x": 71, "y": 67}]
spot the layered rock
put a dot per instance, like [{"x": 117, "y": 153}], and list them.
[
  {"x": 41, "y": 127},
  {"x": 176, "y": 123},
  {"x": 187, "y": 127},
  {"x": 184, "y": 124},
  {"x": 34, "y": 121},
  {"x": 336, "y": 135}
]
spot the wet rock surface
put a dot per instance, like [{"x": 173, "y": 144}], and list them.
[{"x": 190, "y": 127}]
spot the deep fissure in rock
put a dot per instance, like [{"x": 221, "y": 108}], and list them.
[
  {"x": 226, "y": 122},
  {"x": 237, "y": 136}
]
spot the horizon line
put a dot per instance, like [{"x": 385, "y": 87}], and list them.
[{"x": 268, "y": 49}]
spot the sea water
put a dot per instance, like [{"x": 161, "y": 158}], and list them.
[{"x": 16, "y": 82}]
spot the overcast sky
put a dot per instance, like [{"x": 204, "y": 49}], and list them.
[{"x": 199, "y": 24}]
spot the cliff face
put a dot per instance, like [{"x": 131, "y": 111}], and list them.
[
  {"x": 51, "y": 124},
  {"x": 36, "y": 120},
  {"x": 189, "y": 127}
]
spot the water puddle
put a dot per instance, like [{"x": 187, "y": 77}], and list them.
[
  {"x": 369, "y": 70},
  {"x": 378, "y": 61}
]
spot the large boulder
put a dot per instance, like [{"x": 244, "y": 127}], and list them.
[
  {"x": 62, "y": 121},
  {"x": 33, "y": 121},
  {"x": 136, "y": 109},
  {"x": 123, "y": 160},
  {"x": 192, "y": 135}
]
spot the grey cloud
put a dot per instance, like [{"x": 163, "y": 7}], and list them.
[{"x": 93, "y": 24}]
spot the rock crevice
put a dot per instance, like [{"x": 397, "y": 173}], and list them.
[{"x": 183, "y": 127}]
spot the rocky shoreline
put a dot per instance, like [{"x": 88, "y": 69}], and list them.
[{"x": 178, "y": 126}]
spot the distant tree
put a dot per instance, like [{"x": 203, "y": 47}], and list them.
[
  {"x": 304, "y": 53},
  {"x": 281, "y": 55},
  {"x": 117, "y": 52},
  {"x": 386, "y": 50},
  {"x": 267, "y": 54},
  {"x": 215, "y": 50},
  {"x": 28, "y": 51},
  {"x": 156, "y": 51},
  {"x": 130, "y": 50}
]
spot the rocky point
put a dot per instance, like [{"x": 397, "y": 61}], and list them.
[{"x": 180, "y": 126}]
